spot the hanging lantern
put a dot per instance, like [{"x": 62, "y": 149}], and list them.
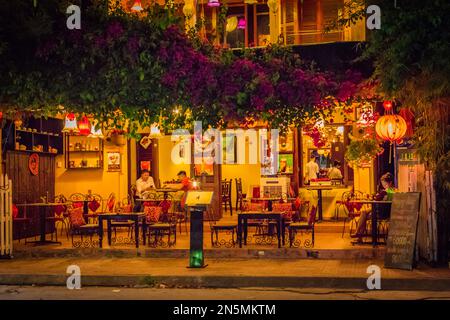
[
  {"x": 251, "y": 1},
  {"x": 241, "y": 23},
  {"x": 387, "y": 105},
  {"x": 96, "y": 133},
  {"x": 83, "y": 126},
  {"x": 391, "y": 127},
  {"x": 154, "y": 131},
  {"x": 232, "y": 24},
  {"x": 70, "y": 125},
  {"x": 273, "y": 5},
  {"x": 213, "y": 3},
  {"x": 137, "y": 6}
]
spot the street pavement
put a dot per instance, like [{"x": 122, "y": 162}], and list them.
[{"x": 118, "y": 293}]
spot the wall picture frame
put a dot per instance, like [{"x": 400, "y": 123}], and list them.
[{"x": 114, "y": 161}]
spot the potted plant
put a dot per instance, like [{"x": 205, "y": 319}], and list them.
[
  {"x": 117, "y": 137},
  {"x": 360, "y": 152}
]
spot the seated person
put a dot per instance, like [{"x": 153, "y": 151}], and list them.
[
  {"x": 335, "y": 172},
  {"x": 185, "y": 185},
  {"x": 143, "y": 184},
  {"x": 387, "y": 187}
]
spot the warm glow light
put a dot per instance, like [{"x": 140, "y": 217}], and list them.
[
  {"x": 70, "y": 125},
  {"x": 391, "y": 127},
  {"x": 96, "y": 133},
  {"x": 137, "y": 6},
  {"x": 251, "y": 1},
  {"x": 387, "y": 105},
  {"x": 273, "y": 5},
  {"x": 84, "y": 127},
  {"x": 213, "y": 3},
  {"x": 241, "y": 23},
  {"x": 154, "y": 131}
]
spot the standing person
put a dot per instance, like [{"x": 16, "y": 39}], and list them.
[
  {"x": 143, "y": 184},
  {"x": 386, "y": 189},
  {"x": 312, "y": 169}
]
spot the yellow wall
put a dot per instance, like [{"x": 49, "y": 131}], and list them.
[
  {"x": 167, "y": 169},
  {"x": 99, "y": 181}
]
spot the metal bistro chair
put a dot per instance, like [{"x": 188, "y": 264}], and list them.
[
  {"x": 166, "y": 226},
  {"x": 95, "y": 207},
  {"x": 226, "y": 195},
  {"x": 216, "y": 227},
  {"x": 59, "y": 217},
  {"x": 118, "y": 222},
  {"x": 308, "y": 225},
  {"x": 353, "y": 213}
]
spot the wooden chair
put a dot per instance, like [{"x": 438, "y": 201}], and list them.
[
  {"x": 239, "y": 194},
  {"x": 226, "y": 195},
  {"x": 308, "y": 225},
  {"x": 216, "y": 227}
]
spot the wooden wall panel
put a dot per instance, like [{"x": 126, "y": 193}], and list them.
[{"x": 28, "y": 188}]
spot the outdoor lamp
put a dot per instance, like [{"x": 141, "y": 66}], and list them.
[
  {"x": 83, "y": 126},
  {"x": 273, "y": 5},
  {"x": 70, "y": 125},
  {"x": 232, "y": 24},
  {"x": 391, "y": 127},
  {"x": 137, "y": 6},
  {"x": 154, "y": 131},
  {"x": 213, "y": 3},
  {"x": 96, "y": 133}
]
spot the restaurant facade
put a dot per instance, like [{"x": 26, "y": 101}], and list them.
[{"x": 68, "y": 156}]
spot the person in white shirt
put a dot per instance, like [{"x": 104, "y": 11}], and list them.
[
  {"x": 335, "y": 173},
  {"x": 312, "y": 169},
  {"x": 144, "y": 183}
]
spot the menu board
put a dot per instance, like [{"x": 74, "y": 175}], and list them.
[{"x": 401, "y": 240}]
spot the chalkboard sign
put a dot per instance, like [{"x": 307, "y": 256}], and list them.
[{"x": 401, "y": 240}]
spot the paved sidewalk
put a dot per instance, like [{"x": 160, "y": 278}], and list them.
[{"x": 223, "y": 273}]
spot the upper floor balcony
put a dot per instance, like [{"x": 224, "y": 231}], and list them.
[{"x": 257, "y": 23}]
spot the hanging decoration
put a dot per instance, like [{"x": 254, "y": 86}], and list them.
[
  {"x": 84, "y": 127},
  {"x": 33, "y": 164},
  {"x": 273, "y": 6},
  {"x": 213, "y": 3},
  {"x": 232, "y": 23},
  {"x": 188, "y": 10},
  {"x": 241, "y": 24},
  {"x": 70, "y": 125},
  {"x": 96, "y": 133},
  {"x": 137, "y": 6}
]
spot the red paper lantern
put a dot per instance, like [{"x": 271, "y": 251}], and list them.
[
  {"x": 84, "y": 126},
  {"x": 387, "y": 105}
]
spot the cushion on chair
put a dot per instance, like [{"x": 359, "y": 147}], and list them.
[
  {"x": 15, "y": 211},
  {"x": 152, "y": 214},
  {"x": 94, "y": 205},
  {"x": 282, "y": 207},
  {"x": 165, "y": 205},
  {"x": 77, "y": 204},
  {"x": 60, "y": 209},
  {"x": 127, "y": 208},
  {"x": 252, "y": 206},
  {"x": 76, "y": 217}
]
